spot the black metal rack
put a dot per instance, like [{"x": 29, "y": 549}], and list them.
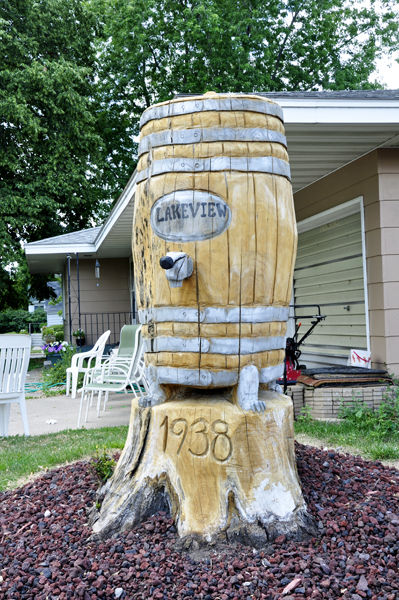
[{"x": 292, "y": 346}]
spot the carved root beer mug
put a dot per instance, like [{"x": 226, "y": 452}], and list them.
[{"x": 214, "y": 244}]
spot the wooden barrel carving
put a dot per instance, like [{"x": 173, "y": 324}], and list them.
[{"x": 214, "y": 183}]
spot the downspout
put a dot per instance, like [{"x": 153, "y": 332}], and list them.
[{"x": 77, "y": 274}]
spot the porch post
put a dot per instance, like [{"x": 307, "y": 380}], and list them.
[{"x": 69, "y": 296}]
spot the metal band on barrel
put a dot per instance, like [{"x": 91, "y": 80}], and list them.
[
  {"x": 196, "y": 136},
  {"x": 268, "y": 164},
  {"x": 205, "y": 378},
  {"x": 269, "y": 374},
  {"x": 211, "y": 314},
  {"x": 174, "y": 109},
  {"x": 215, "y": 345}
]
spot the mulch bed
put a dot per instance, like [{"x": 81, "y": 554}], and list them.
[{"x": 355, "y": 504}]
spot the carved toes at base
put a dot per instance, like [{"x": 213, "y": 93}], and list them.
[
  {"x": 248, "y": 390},
  {"x": 275, "y": 387},
  {"x": 254, "y": 405},
  {"x": 149, "y": 401}
]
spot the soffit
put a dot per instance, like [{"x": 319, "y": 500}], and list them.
[
  {"x": 113, "y": 240},
  {"x": 328, "y": 130}
]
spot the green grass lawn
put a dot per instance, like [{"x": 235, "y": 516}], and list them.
[
  {"x": 369, "y": 444},
  {"x": 21, "y": 456},
  {"x": 372, "y": 435}
]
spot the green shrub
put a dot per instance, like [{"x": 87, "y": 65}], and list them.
[
  {"x": 15, "y": 320},
  {"x": 380, "y": 424},
  {"x": 57, "y": 373},
  {"x": 48, "y": 331},
  {"x": 59, "y": 333},
  {"x": 103, "y": 464},
  {"x": 305, "y": 415}
]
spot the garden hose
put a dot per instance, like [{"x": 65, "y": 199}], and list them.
[{"x": 38, "y": 387}]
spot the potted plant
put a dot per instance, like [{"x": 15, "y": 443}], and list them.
[
  {"x": 54, "y": 350},
  {"x": 48, "y": 334},
  {"x": 80, "y": 337}
]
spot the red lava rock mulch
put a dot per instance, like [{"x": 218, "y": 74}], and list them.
[{"x": 355, "y": 504}]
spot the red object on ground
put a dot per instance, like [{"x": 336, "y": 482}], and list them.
[{"x": 292, "y": 373}]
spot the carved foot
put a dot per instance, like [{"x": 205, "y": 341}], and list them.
[
  {"x": 156, "y": 395},
  {"x": 273, "y": 386},
  {"x": 148, "y": 401},
  {"x": 248, "y": 390}
]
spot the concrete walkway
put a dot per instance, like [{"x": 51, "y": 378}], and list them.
[{"x": 65, "y": 411}]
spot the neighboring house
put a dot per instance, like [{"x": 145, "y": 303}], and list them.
[
  {"x": 52, "y": 310},
  {"x": 344, "y": 156}
]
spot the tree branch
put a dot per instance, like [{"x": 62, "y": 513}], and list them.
[
  {"x": 287, "y": 35},
  {"x": 155, "y": 58}
]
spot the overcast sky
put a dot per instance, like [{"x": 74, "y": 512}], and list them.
[{"x": 387, "y": 72}]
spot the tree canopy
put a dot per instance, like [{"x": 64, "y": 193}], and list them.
[
  {"x": 156, "y": 48},
  {"x": 49, "y": 142}
]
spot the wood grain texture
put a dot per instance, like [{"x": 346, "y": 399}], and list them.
[
  {"x": 215, "y": 330},
  {"x": 192, "y": 360},
  {"x": 251, "y": 263},
  {"x": 219, "y": 467},
  {"x": 235, "y": 119},
  {"x": 215, "y": 467},
  {"x": 207, "y": 150}
]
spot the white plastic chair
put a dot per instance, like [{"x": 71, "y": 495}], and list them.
[
  {"x": 93, "y": 357},
  {"x": 14, "y": 361},
  {"x": 114, "y": 375}
]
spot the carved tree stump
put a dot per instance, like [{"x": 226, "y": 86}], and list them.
[
  {"x": 218, "y": 470},
  {"x": 214, "y": 246}
]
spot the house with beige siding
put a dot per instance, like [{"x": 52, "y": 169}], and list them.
[{"x": 344, "y": 157}]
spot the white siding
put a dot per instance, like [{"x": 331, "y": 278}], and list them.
[
  {"x": 329, "y": 272},
  {"x": 54, "y": 320}
]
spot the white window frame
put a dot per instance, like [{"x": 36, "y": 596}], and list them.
[{"x": 334, "y": 214}]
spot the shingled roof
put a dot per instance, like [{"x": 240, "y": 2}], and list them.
[{"x": 84, "y": 236}]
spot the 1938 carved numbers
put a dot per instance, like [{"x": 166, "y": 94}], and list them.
[{"x": 221, "y": 446}]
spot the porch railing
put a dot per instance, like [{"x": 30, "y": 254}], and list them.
[{"x": 94, "y": 324}]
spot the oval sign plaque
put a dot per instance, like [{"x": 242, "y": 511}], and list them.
[{"x": 190, "y": 216}]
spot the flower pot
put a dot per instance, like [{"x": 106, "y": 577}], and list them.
[
  {"x": 55, "y": 357},
  {"x": 80, "y": 341}
]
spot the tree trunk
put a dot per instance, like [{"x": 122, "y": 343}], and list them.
[{"x": 220, "y": 471}]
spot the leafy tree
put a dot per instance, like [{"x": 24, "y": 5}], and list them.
[
  {"x": 17, "y": 320},
  {"x": 49, "y": 140},
  {"x": 156, "y": 48}
]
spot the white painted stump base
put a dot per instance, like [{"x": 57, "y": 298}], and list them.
[{"x": 218, "y": 470}]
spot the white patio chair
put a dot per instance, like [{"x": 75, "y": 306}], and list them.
[
  {"x": 93, "y": 357},
  {"x": 14, "y": 361},
  {"x": 114, "y": 375}
]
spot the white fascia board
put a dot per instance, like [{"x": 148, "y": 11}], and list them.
[
  {"x": 300, "y": 110},
  {"x": 328, "y": 216},
  {"x": 60, "y": 249},
  {"x": 118, "y": 209},
  {"x": 73, "y": 247}
]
